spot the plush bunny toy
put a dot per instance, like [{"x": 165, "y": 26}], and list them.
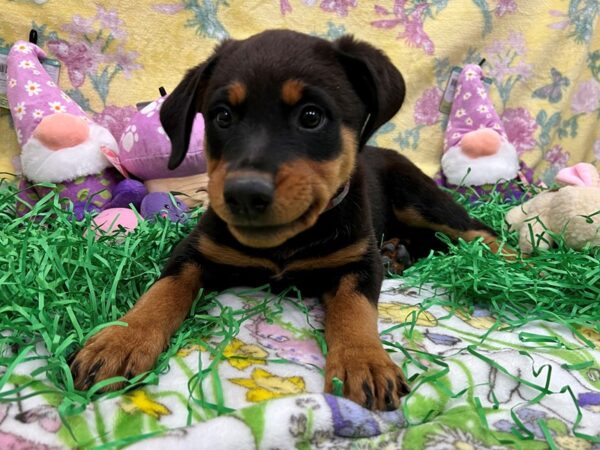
[{"x": 572, "y": 211}]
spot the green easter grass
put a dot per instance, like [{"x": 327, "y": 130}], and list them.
[{"x": 59, "y": 286}]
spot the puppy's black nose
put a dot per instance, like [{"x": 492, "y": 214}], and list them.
[{"x": 248, "y": 195}]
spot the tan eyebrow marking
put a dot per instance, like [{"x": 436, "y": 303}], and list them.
[
  {"x": 236, "y": 93},
  {"x": 291, "y": 91}
]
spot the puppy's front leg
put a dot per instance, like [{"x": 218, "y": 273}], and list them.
[
  {"x": 133, "y": 349},
  {"x": 355, "y": 354}
]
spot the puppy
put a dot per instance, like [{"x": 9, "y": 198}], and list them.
[{"x": 296, "y": 198}]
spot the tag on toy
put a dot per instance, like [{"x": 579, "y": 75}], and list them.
[
  {"x": 448, "y": 97},
  {"x": 52, "y": 66}
]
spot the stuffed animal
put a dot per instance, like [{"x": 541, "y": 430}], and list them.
[
  {"x": 144, "y": 150},
  {"x": 144, "y": 153},
  {"x": 477, "y": 152},
  {"x": 60, "y": 143},
  {"x": 572, "y": 211}
]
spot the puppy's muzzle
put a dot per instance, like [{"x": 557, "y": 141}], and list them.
[{"x": 248, "y": 195}]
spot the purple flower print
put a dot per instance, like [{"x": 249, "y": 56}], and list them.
[
  {"x": 284, "y": 7},
  {"x": 95, "y": 50},
  {"x": 115, "y": 118},
  {"x": 168, "y": 8},
  {"x": 504, "y": 64},
  {"x": 590, "y": 401},
  {"x": 587, "y": 97},
  {"x": 409, "y": 19},
  {"x": 529, "y": 417},
  {"x": 506, "y": 7},
  {"x": 502, "y": 54},
  {"x": 110, "y": 19},
  {"x": 79, "y": 26},
  {"x": 125, "y": 60},
  {"x": 557, "y": 157},
  {"x": 79, "y": 58},
  {"x": 427, "y": 107},
  {"x": 442, "y": 339},
  {"x": 520, "y": 127},
  {"x": 338, "y": 6}
]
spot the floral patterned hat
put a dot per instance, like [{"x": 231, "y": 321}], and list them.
[
  {"x": 472, "y": 108},
  {"x": 31, "y": 92}
]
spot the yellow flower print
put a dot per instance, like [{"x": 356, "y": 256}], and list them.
[
  {"x": 185, "y": 351},
  {"x": 263, "y": 385},
  {"x": 140, "y": 401},
  {"x": 572, "y": 443},
  {"x": 402, "y": 312},
  {"x": 590, "y": 334},
  {"x": 241, "y": 355}
]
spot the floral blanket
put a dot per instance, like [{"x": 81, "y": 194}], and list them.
[
  {"x": 258, "y": 383},
  {"x": 543, "y": 57}
]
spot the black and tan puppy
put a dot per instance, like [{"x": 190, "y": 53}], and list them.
[{"x": 296, "y": 198}]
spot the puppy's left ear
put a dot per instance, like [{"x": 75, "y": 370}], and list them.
[{"x": 375, "y": 79}]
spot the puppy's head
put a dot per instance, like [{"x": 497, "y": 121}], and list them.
[{"x": 285, "y": 115}]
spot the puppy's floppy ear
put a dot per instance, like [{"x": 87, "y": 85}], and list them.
[
  {"x": 179, "y": 110},
  {"x": 375, "y": 79}
]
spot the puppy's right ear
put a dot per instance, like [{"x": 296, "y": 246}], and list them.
[{"x": 179, "y": 110}]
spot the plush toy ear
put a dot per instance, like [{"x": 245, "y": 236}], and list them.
[
  {"x": 375, "y": 79},
  {"x": 179, "y": 110}
]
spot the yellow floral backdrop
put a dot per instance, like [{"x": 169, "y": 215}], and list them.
[{"x": 543, "y": 55}]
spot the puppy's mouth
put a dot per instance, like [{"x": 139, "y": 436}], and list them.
[{"x": 271, "y": 235}]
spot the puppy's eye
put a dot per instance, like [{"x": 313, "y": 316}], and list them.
[
  {"x": 223, "y": 118},
  {"x": 310, "y": 117}
]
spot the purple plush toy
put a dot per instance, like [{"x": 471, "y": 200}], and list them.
[
  {"x": 144, "y": 151},
  {"x": 162, "y": 204}
]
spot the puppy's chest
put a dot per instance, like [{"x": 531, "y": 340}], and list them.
[{"x": 306, "y": 269}]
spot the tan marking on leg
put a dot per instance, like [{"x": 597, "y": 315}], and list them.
[
  {"x": 291, "y": 91},
  {"x": 134, "y": 349},
  {"x": 222, "y": 254},
  {"x": 236, "y": 93},
  {"x": 412, "y": 217},
  {"x": 355, "y": 354}
]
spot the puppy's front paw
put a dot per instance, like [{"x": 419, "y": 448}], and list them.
[
  {"x": 116, "y": 351},
  {"x": 370, "y": 377}
]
